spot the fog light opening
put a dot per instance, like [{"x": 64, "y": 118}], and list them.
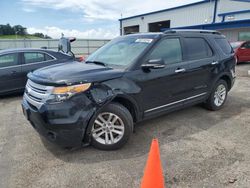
[{"x": 51, "y": 135}]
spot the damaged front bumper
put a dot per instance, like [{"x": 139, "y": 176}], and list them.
[{"x": 63, "y": 123}]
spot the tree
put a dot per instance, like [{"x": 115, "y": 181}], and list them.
[
  {"x": 41, "y": 35},
  {"x": 19, "y": 30},
  {"x": 7, "y": 30}
]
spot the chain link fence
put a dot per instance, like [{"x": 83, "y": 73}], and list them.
[{"x": 79, "y": 47}]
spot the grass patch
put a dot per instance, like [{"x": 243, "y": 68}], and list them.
[{"x": 18, "y": 37}]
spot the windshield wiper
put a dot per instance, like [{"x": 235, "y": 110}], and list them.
[{"x": 97, "y": 62}]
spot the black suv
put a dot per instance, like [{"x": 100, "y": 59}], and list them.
[{"x": 130, "y": 79}]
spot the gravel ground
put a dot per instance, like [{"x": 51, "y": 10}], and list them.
[{"x": 199, "y": 148}]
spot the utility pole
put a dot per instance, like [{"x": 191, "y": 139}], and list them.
[{"x": 121, "y": 25}]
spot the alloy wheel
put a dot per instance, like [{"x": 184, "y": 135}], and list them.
[
  {"x": 220, "y": 95},
  {"x": 108, "y": 128}
]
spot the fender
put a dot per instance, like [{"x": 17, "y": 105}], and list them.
[
  {"x": 227, "y": 74},
  {"x": 113, "y": 90}
]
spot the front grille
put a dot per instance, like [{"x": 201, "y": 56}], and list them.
[{"x": 37, "y": 94}]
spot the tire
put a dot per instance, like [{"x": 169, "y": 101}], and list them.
[
  {"x": 113, "y": 119},
  {"x": 237, "y": 60},
  {"x": 215, "y": 102}
]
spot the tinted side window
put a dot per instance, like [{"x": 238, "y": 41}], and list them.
[
  {"x": 33, "y": 57},
  {"x": 197, "y": 48},
  {"x": 246, "y": 45},
  {"x": 169, "y": 50},
  {"x": 224, "y": 45},
  {"x": 8, "y": 60},
  {"x": 47, "y": 57}
]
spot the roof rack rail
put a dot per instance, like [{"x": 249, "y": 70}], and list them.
[
  {"x": 192, "y": 30},
  {"x": 169, "y": 31}
]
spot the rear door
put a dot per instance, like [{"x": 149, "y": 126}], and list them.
[
  {"x": 10, "y": 72},
  {"x": 201, "y": 62},
  {"x": 35, "y": 60}
]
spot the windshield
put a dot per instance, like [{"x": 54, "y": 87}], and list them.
[
  {"x": 235, "y": 44},
  {"x": 120, "y": 52}
]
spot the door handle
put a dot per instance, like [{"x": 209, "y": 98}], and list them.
[
  {"x": 180, "y": 70},
  {"x": 215, "y": 63},
  {"x": 13, "y": 72}
]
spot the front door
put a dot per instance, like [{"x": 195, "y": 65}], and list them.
[{"x": 163, "y": 88}]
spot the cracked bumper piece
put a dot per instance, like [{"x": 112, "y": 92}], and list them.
[{"x": 62, "y": 123}]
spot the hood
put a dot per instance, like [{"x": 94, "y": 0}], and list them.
[{"x": 74, "y": 72}]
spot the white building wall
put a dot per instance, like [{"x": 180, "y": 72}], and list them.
[
  {"x": 244, "y": 16},
  {"x": 231, "y": 6},
  {"x": 225, "y": 6},
  {"x": 232, "y": 35},
  {"x": 191, "y": 15},
  {"x": 198, "y": 14}
]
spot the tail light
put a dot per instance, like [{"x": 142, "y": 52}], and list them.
[{"x": 81, "y": 58}]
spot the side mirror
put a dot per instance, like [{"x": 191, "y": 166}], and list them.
[
  {"x": 64, "y": 45},
  {"x": 153, "y": 64}
]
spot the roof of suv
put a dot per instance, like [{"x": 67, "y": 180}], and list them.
[
  {"x": 173, "y": 31},
  {"x": 149, "y": 35},
  {"x": 192, "y": 31}
]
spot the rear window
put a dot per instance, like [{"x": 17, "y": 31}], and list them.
[
  {"x": 34, "y": 57},
  {"x": 224, "y": 45},
  {"x": 235, "y": 44},
  {"x": 197, "y": 48},
  {"x": 48, "y": 58},
  {"x": 246, "y": 45}
]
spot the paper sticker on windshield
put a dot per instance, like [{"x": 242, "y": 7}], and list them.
[{"x": 144, "y": 40}]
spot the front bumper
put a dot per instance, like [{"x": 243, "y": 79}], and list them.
[{"x": 62, "y": 123}]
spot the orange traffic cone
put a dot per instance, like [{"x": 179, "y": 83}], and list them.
[{"x": 153, "y": 175}]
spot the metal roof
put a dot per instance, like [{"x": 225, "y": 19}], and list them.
[{"x": 164, "y": 10}]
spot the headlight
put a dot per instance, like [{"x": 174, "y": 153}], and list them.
[{"x": 63, "y": 93}]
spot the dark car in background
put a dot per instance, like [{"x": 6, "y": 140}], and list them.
[
  {"x": 242, "y": 51},
  {"x": 15, "y": 64}
]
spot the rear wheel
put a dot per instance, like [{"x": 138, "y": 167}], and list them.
[
  {"x": 112, "y": 127},
  {"x": 218, "y": 96},
  {"x": 237, "y": 60}
]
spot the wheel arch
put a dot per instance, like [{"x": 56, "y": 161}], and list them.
[
  {"x": 122, "y": 99},
  {"x": 228, "y": 81},
  {"x": 130, "y": 104},
  {"x": 224, "y": 76}
]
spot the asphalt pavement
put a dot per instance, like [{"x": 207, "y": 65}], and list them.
[{"x": 199, "y": 148}]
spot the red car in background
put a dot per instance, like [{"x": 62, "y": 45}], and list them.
[{"x": 242, "y": 51}]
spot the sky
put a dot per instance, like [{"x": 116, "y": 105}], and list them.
[{"x": 77, "y": 18}]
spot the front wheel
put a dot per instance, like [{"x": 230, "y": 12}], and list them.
[
  {"x": 112, "y": 127},
  {"x": 218, "y": 96}
]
